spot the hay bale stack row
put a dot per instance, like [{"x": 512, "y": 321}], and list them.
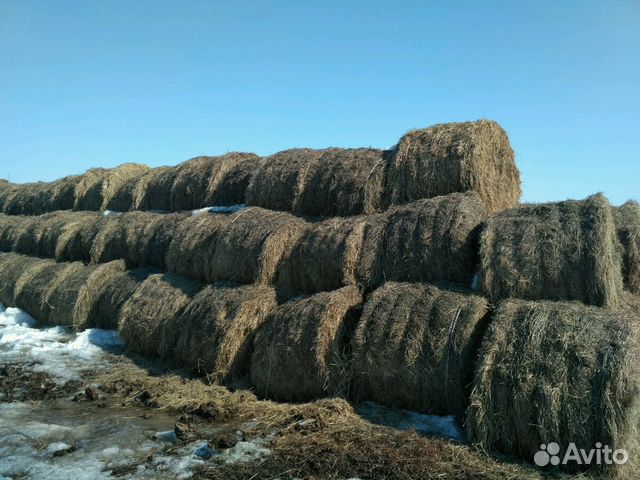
[{"x": 436, "y": 161}]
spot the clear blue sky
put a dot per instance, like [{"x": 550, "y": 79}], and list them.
[{"x": 98, "y": 83}]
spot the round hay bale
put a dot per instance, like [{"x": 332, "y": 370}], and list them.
[
  {"x": 228, "y": 186},
  {"x": 88, "y": 194},
  {"x": 150, "y": 321},
  {"x": 117, "y": 188},
  {"x": 193, "y": 245},
  {"x": 26, "y": 236},
  {"x": 275, "y": 182},
  {"x": 12, "y": 266},
  {"x": 32, "y": 286},
  {"x": 5, "y": 189},
  {"x": 553, "y": 251},
  {"x": 21, "y": 199},
  {"x": 10, "y": 226},
  {"x": 301, "y": 350},
  {"x": 218, "y": 328},
  {"x": 63, "y": 292},
  {"x": 331, "y": 254},
  {"x": 76, "y": 237},
  {"x": 415, "y": 347},
  {"x": 153, "y": 190},
  {"x": 139, "y": 238},
  {"x": 104, "y": 293},
  {"x": 627, "y": 219},
  {"x": 249, "y": 247},
  {"x": 341, "y": 182},
  {"x": 557, "y": 372},
  {"x": 433, "y": 240},
  {"x": 63, "y": 193},
  {"x": 456, "y": 157},
  {"x": 50, "y": 226}
]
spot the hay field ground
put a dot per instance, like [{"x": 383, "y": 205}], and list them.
[{"x": 74, "y": 406}]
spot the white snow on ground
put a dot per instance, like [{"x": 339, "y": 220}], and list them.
[
  {"x": 227, "y": 209},
  {"x": 56, "y": 351},
  {"x": 475, "y": 282},
  {"x": 432, "y": 425},
  {"x": 107, "y": 213}
]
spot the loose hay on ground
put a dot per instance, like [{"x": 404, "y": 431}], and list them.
[
  {"x": 149, "y": 321},
  {"x": 456, "y": 157},
  {"x": 301, "y": 350},
  {"x": 415, "y": 347},
  {"x": 561, "y": 372},
  {"x": 218, "y": 328},
  {"x": 556, "y": 251}
]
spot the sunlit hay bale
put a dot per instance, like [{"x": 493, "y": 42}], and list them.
[
  {"x": 116, "y": 183},
  {"x": 627, "y": 218},
  {"x": 88, "y": 195},
  {"x": 433, "y": 239},
  {"x": 415, "y": 347},
  {"x": 153, "y": 190},
  {"x": 12, "y": 266},
  {"x": 26, "y": 236},
  {"x": 456, "y": 157},
  {"x": 326, "y": 182},
  {"x": 229, "y": 184},
  {"x": 199, "y": 181},
  {"x": 64, "y": 290},
  {"x": 149, "y": 321},
  {"x": 193, "y": 245},
  {"x": 76, "y": 238},
  {"x": 250, "y": 246},
  {"x": 553, "y": 251},
  {"x": 139, "y": 238},
  {"x": 557, "y": 372},
  {"x": 218, "y": 327},
  {"x": 331, "y": 254},
  {"x": 106, "y": 290},
  {"x": 50, "y": 226},
  {"x": 33, "y": 285},
  {"x": 341, "y": 182},
  {"x": 301, "y": 350}
]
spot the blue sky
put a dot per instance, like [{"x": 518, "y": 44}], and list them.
[{"x": 87, "y": 84}]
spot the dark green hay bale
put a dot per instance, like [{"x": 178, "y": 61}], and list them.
[
  {"x": 301, "y": 350},
  {"x": 218, "y": 327},
  {"x": 103, "y": 295},
  {"x": 153, "y": 190},
  {"x": 415, "y": 347},
  {"x": 456, "y": 157},
  {"x": 555, "y": 251},
  {"x": 149, "y": 322},
  {"x": 557, "y": 372},
  {"x": 139, "y": 238},
  {"x": 627, "y": 219}
]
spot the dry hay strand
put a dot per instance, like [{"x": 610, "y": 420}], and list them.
[
  {"x": 415, "y": 347},
  {"x": 331, "y": 254},
  {"x": 627, "y": 219},
  {"x": 193, "y": 245},
  {"x": 150, "y": 320},
  {"x": 32, "y": 286},
  {"x": 250, "y": 246},
  {"x": 341, "y": 182},
  {"x": 76, "y": 238},
  {"x": 88, "y": 194},
  {"x": 229, "y": 184},
  {"x": 118, "y": 185},
  {"x": 153, "y": 190},
  {"x": 456, "y": 157},
  {"x": 301, "y": 350},
  {"x": 200, "y": 182},
  {"x": 12, "y": 266},
  {"x": 561, "y": 372},
  {"x": 63, "y": 292},
  {"x": 218, "y": 328},
  {"x": 553, "y": 251},
  {"x": 139, "y": 238},
  {"x": 433, "y": 240},
  {"x": 104, "y": 293}
]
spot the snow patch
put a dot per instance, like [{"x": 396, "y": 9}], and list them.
[{"x": 219, "y": 209}]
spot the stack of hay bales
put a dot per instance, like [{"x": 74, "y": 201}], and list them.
[{"x": 99, "y": 185}]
